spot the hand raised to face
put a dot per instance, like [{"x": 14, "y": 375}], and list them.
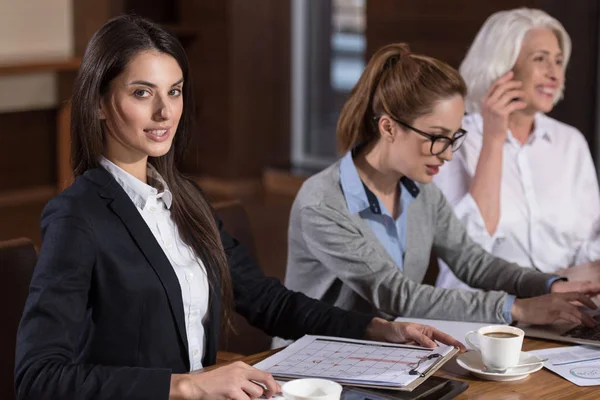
[{"x": 502, "y": 98}]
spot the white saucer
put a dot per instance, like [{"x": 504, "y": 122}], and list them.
[{"x": 471, "y": 361}]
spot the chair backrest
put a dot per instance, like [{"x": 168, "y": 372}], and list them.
[
  {"x": 236, "y": 223},
  {"x": 244, "y": 339},
  {"x": 17, "y": 262},
  {"x": 432, "y": 271}
]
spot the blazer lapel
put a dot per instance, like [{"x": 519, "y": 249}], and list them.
[{"x": 122, "y": 205}]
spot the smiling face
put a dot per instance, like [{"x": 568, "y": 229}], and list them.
[
  {"x": 142, "y": 108},
  {"x": 540, "y": 67},
  {"x": 408, "y": 153}
]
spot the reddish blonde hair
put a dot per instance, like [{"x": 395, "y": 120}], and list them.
[{"x": 398, "y": 83}]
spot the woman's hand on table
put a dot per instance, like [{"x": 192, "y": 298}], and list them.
[
  {"x": 402, "y": 332},
  {"x": 237, "y": 381}
]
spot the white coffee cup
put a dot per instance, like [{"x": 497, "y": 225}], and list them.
[
  {"x": 311, "y": 389},
  {"x": 499, "y": 345}
]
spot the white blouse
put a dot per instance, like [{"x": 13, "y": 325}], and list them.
[
  {"x": 154, "y": 207},
  {"x": 549, "y": 198}
]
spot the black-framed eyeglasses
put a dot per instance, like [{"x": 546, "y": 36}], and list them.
[{"x": 439, "y": 143}]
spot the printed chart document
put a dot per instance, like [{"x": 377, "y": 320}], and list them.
[
  {"x": 357, "y": 362},
  {"x": 578, "y": 364}
]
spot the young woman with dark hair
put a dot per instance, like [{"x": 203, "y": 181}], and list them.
[{"x": 135, "y": 272}]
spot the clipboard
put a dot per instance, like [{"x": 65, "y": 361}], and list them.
[
  {"x": 434, "y": 388},
  {"x": 358, "y": 363},
  {"x": 426, "y": 374}
]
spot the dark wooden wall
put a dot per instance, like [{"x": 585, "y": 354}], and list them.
[
  {"x": 241, "y": 62},
  {"x": 239, "y": 52},
  {"x": 28, "y": 173},
  {"x": 445, "y": 30},
  {"x": 27, "y": 170},
  {"x": 27, "y": 149},
  {"x": 581, "y": 19},
  {"x": 438, "y": 28}
]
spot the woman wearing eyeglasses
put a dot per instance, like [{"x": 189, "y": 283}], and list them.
[
  {"x": 524, "y": 184},
  {"x": 361, "y": 231}
]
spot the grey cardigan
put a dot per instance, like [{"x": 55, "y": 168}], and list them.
[{"x": 334, "y": 256}]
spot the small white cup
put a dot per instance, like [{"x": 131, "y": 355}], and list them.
[
  {"x": 498, "y": 353},
  {"x": 311, "y": 389}
]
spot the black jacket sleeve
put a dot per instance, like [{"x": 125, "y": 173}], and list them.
[
  {"x": 268, "y": 305},
  {"x": 54, "y": 319}
]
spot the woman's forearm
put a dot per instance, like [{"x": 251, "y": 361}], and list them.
[{"x": 485, "y": 187}]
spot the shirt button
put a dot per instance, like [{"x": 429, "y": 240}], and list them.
[
  {"x": 168, "y": 244},
  {"x": 152, "y": 209},
  {"x": 194, "y": 314},
  {"x": 190, "y": 275},
  {"x": 195, "y": 353}
]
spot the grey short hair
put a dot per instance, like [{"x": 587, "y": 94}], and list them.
[{"x": 497, "y": 45}]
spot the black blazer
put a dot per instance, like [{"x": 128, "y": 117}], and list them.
[{"x": 104, "y": 317}]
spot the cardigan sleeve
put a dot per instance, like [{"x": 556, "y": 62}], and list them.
[
  {"x": 340, "y": 247},
  {"x": 475, "y": 266}
]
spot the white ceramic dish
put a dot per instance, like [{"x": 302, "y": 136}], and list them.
[
  {"x": 471, "y": 361},
  {"x": 311, "y": 389}
]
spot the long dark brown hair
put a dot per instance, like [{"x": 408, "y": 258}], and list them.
[
  {"x": 398, "y": 83},
  {"x": 106, "y": 56}
]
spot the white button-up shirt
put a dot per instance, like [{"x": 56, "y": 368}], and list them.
[
  {"x": 154, "y": 207},
  {"x": 549, "y": 198}
]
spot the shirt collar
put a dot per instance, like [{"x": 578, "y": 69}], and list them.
[
  {"x": 138, "y": 191},
  {"x": 541, "y": 128},
  {"x": 352, "y": 186},
  {"x": 357, "y": 194}
]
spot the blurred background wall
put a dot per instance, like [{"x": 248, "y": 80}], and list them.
[
  {"x": 270, "y": 77},
  {"x": 31, "y": 30}
]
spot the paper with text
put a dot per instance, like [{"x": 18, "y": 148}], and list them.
[
  {"x": 577, "y": 364},
  {"x": 352, "y": 361}
]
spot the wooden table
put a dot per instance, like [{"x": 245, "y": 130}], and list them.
[{"x": 539, "y": 385}]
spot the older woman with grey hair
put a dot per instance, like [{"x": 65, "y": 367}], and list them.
[{"x": 524, "y": 184}]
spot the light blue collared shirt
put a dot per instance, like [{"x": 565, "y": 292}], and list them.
[
  {"x": 360, "y": 200},
  {"x": 391, "y": 233}
]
